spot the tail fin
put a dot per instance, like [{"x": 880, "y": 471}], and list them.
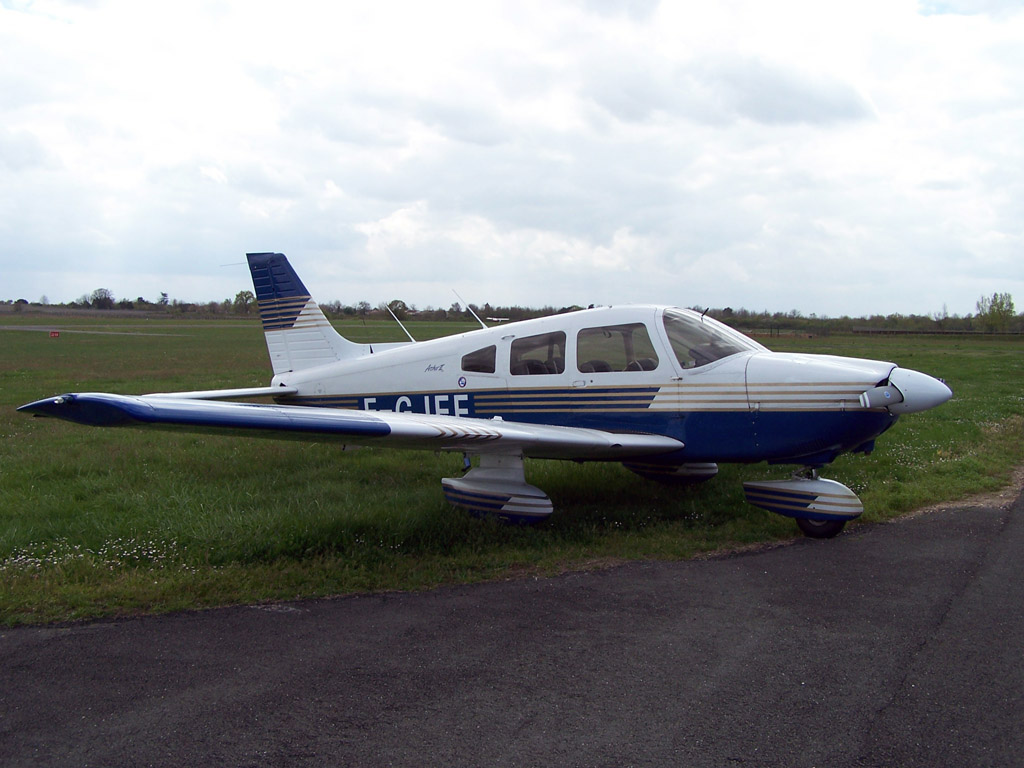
[{"x": 298, "y": 334}]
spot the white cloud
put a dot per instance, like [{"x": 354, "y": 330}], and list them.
[{"x": 536, "y": 153}]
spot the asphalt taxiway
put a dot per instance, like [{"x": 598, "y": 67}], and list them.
[{"x": 892, "y": 645}]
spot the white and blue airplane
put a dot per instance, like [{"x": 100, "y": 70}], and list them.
[{"x": 668, "y": 392}]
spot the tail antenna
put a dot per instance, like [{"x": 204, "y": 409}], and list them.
[
  {"x": 392, "y": 313},
  {"x": 474, "y": 314}
]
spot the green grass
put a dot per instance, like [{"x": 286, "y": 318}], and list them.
[{"x": 111, "y": 522}]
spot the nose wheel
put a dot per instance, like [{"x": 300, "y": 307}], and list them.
[
  {"x": 820, "y": 529},
  {"x": 820, "y": 507}
]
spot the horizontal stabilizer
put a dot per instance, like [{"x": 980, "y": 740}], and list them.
[{"x": 228, "y": 394}]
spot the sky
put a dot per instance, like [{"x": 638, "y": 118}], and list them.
[{"x": 832, "y": 158}]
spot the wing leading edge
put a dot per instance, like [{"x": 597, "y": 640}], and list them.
[{"x": 400, "y": 430}]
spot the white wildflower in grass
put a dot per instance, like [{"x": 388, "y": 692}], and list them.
[{"x": 117, "y": 554}]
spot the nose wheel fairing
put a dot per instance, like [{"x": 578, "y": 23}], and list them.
[{"x": 805, "y": 498}]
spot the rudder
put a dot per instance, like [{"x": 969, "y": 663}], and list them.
[{"x": 298, "y": 333}]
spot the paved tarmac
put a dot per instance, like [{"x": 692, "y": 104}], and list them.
[{"x": 893, "y": 645}]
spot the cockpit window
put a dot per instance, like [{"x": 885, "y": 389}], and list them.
[
  {"x": 699, "y": 340},
  {"x": 625, "y": 347},
  {"x": 543, "y": 354}
]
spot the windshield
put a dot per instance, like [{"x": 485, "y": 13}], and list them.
[{"x": 698, "y": 340}]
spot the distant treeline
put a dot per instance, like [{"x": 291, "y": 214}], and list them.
[{"x": 995, "y": 314}]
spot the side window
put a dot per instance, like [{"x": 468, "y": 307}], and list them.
[
  {"x": 543, "y": 354},
  {"x": 481, "y": 361},
  {"x": 625, "y": 347}
]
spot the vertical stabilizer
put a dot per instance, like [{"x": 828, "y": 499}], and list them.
[{"x": 298, "y": 334}]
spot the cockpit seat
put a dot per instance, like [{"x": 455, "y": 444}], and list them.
[{"x": 642, "y": 364}]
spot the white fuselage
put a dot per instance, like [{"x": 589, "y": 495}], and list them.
[{"x": 644, "y": 369}]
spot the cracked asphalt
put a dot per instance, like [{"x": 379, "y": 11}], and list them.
[{"x": 893, "y": 645}]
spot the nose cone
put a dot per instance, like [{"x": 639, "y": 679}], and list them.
[{"x": 920, "y": 391}]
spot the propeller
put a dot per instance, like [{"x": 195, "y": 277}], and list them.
[
  {"x": 907, "y": 391},
  {"x": 881, "y": 396}
]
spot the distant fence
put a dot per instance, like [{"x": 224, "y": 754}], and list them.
[
  {"x": 774, "y": 331},
  {"x": 909, "y": 332}
]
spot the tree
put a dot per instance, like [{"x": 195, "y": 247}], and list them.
[
  {"x": 102, "y": 299},
  {"x": 995, "y": 313},
  {"x": 243, "y": 302},
  {"x": 399, "y": 308}
]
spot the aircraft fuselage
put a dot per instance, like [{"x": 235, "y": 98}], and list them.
[{"x": 617, "y": 369}]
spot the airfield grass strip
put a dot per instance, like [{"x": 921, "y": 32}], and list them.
[{"x": 104, "y": 523}]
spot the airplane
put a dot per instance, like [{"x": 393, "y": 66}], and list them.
[{"x": 668, "y": 392}]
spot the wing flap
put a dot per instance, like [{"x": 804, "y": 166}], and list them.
[{"x": 403, "y": 430}]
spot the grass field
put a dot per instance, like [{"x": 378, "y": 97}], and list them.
[{"x": 100, "y": 522}]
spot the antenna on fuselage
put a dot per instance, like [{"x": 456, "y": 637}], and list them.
[
  {"x": 474, "y": 314},
  {"x": 392, "y": 313}
]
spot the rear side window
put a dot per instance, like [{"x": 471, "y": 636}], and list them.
[
  {"x": 538, "y": 355},
  {"x": 481, "y": 361},
  {"x": 625, "y": 347}
]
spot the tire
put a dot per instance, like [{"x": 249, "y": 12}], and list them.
[{"x": 820, "y": 529}]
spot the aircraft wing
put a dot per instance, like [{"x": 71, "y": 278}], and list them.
[{"x": 399, "y": 430}]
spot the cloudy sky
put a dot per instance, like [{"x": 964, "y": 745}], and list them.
[{"x": 834, "y": 158}]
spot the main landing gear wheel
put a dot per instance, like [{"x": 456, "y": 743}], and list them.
[{"x": 820, "y": 529}]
